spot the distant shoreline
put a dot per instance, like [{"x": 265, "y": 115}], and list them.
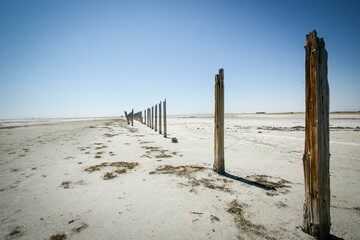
[{"x": 172, "y": 115}]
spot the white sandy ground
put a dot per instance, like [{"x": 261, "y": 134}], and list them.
[{"x": 45, "y": 190}]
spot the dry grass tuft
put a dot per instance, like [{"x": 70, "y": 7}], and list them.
[
  {"x": 278, "y": 185},
  {"x": 178, "y": 171},
  {"x": 79, "y": 229},
  {"x": 120, "y": 168},
  {"x": 66, "y": 184},
  {"x": 59, "y": 236},
  {"x": 97, "y": 167},
  {"x": 16, "y": 232}
]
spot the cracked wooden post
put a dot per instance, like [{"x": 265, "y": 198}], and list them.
[
  {"x": 160, "y": 117},
  {"x": 132, "y": 117},
  {"x": 316, "y": 156},
  {"x": 155, "y": 117},
  {"x": 219, "y": 161},
  {"x": 165, "y": 129}
]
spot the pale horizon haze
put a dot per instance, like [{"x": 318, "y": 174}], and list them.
[{"x": 98, "y": 58}]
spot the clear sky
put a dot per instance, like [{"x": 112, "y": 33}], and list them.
[{"x": 98, "y": 58}]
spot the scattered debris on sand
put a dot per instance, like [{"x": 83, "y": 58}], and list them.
[
  {"x": 58, "y": 236},
  {"x": 245, "y": 225},
  {"x": 120, "y": 168}
]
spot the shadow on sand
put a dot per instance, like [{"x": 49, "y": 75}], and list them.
[{"x": 249, "y": 182}]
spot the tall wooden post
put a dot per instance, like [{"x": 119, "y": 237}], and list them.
[
  {"x": 316, "y": 156},
  {"x": 152, "y": 117},
  {"x": 132, "y": 117},
  {"x": 219, "y": 161},
  {"x": 165, "y": 129},
  {"x": 160, "y": 117},
  {"x": 155, "y": 117}
]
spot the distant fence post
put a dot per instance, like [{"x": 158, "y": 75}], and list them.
[
  {"x": 160, "y": 117},
  {"x": 317, "y": 155},
  {"x": 152, "y": 117},
  {"x": 127, "y": 118},
  {"x": 132, "y": 117},
  {"x": 149, "y": 117},
  {"x": 219, "y": 161},
  {"x": 144, "y": 120},
  {"x": 155, "y": 117},
  {"x": 165, "y": 128}
]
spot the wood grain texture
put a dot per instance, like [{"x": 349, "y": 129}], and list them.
[
  {"x": 219, "y": 159},
  {"x": 316, "y": 155}
]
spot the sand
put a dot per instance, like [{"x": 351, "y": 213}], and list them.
[{"x": 103, "y": 179}]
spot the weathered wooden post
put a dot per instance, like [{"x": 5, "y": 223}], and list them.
[
  {"x": 160, "y": 117},
  {"x": 155, "y": 117},
  {"x": 148, "y": 122},
  {"x": 165, "y": 129},
  {"x": 127, "y": 118},
  {"x": 152, "y": 117},
  {"x": 144, "y": 120},
  {"x": 132, "y": 117},
  {"x": 316, "y": 156},
  {"x": 219, "y": 161}
]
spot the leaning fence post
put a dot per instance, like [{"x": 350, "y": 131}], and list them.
[
  {"x": 219, "y": 161},
  {"x": 160, "y": 117},
  {"x": 317, "y": 154},
  {"x": 165, "y": 133},
  {"x": 127, "y": 118},
  {"x": 155, "y": 117}
]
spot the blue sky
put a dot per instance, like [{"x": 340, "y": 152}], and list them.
[{"x": 99, "y": 58}]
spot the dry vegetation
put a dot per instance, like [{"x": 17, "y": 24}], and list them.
[
  {"x": 117, "y": 168},
  {"x": 189, "y": 172},
  {"x": 245, "y": 225}
]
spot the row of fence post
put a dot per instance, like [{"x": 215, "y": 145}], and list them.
[{"x": 151, "y": 118}]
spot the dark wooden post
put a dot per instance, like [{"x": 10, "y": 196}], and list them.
[
  {"x": 155, "y": 117},
  {"x": 219, "y": 159},
  {"x": 132, "y": 117},
  {"x": 160, "y": 117},
  {"x": 152, "y": 117},
  {"x": 317, "y": 152},
  {"x": 127, "y": 118},
  {"x": 165, "y": 129}
]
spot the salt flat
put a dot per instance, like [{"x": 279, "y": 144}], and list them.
[{"x": 103, "y": 179}]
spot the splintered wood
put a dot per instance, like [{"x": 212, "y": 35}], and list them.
[
  {"x": 219, "y": 165},
  {"x": 316, "y": 156}
]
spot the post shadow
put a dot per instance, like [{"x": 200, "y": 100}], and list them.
[{"x": 248, "y": 182}]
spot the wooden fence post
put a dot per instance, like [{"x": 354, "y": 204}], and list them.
[
  {"x": 152, "y": 117},
  {"x": 165, "y": 129},
  {"x": 132, "y": 117},
  {"x": 155, "y": 117},
  {"x": 127, "y": 118},
  {"x": 160, "y": 117},
  {"x": 219, "y": 161},
  {"x": 317, "y": 155}
]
